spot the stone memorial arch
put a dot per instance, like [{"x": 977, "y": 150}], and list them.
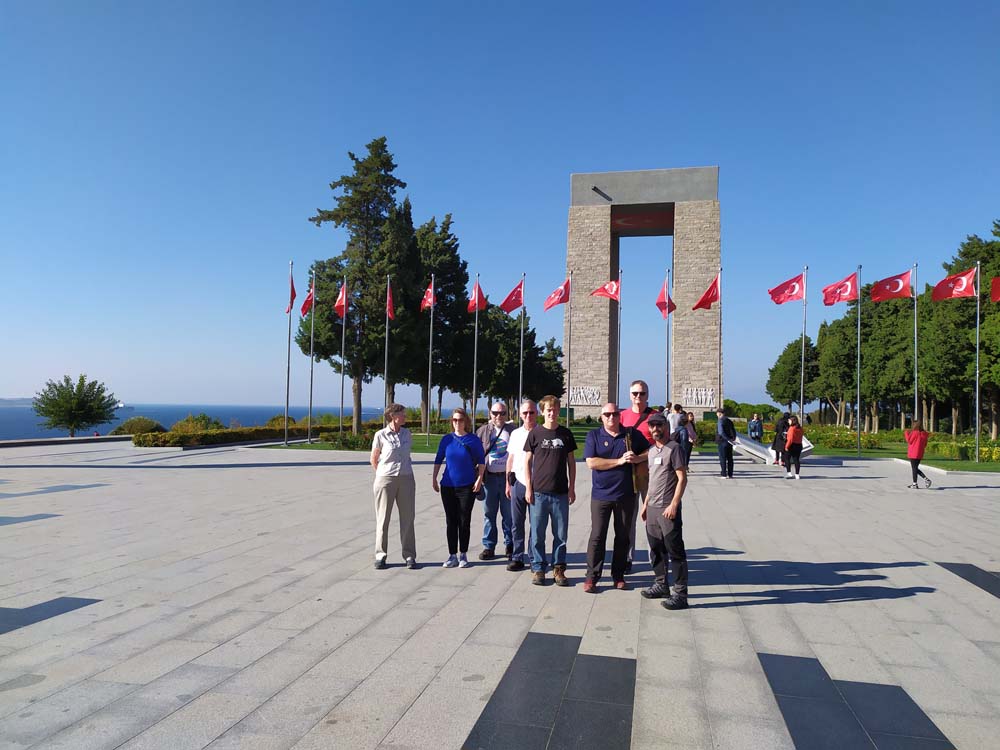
[{"x": 606, "y": 206}]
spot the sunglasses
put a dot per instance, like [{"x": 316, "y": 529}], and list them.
[
  {"x": 498, "y": 413},
  {"x": 609, "y": 414},
  {"x": 638, "y": 393}
]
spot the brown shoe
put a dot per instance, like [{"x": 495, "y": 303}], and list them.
[
  {"x": 486, "y": 554},
  {"x": 559, "y": 573},
  {"x": 538, "y": 578}
]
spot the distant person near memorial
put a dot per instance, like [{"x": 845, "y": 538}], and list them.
[
  {"x": 793, "y": 447},
  {"x": 611, "y": 451},
  {"x": 674, "y": 418},
  {"x": 755, "y": 428},
  {"x": 550, "y": 469},
  {"x": 495, "y": 437},
  {"x": 693, "y": 435},
  {"x": 461, "y": 452},
  {"x": 780, "y": 438},
  {"x": 662, "y": 513},
  {"x": 394, "y": 485},
  {"x": 517, "y": 481},
  {"x": 636, "y": 416},
  {"x": 916, "y": 444},
  {"x": 725, "y": 436}
]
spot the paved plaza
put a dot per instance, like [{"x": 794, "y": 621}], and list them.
[{"x": 225, "y": 598}]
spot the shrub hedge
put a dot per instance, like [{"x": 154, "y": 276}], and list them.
[
  {"x": 138, "y": 425},
  {"x": 214, "y": 437}
]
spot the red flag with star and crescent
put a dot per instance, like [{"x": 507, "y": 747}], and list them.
[
  {"x": 710, "y": 297},
  {"x": 844, "y": 290},
  {"x": 664, "y": 303},
  {"x": 390, "y": 309},
  {"x": 515, "y": 299},
  {"x": 309, "y": 302},
  {"x": 611, "y": 290},
  {"x": 894, "y": 287},
  {"x": 788, "y": 291},
  {"x": 957, "y": 285},
  {"x": 477, "y": 300},
  {"x": 429, "y": 300},
  {"x": 340, "y": 306},
  {"x": 559, "y": 296},
  {"x": 291, "y": 295},
  {"x": 995, "y": 289}
]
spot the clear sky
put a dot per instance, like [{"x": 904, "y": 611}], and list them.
[{"x": 158, "y": 162}]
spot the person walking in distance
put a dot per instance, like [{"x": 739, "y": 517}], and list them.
[
  {"x": 517, "y": 481},
  {"x": 495, "y": 437},
  {"x": 550, "y": 468},
  {"x": 636, "y": 416},
  {"x": 793, "y": 447},
  {"x": 394, "y": 485},
  {"x": 611, "y": 451},
  {"x": 725, "y": 436},
  {"x": 780, "y": 438},
  {"x": 661, "y": 512},
  {"x": 692, "y": 440},
  {"x": 916, "y": 443},
  {"x": 464, "y": 465}
]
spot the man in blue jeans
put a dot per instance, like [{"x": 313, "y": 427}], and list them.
[
  {"x": 495, "y": 436},
  {"x": 550, "y": 467}
]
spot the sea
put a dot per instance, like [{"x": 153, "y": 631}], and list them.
[{"x": 19, "y": 421}]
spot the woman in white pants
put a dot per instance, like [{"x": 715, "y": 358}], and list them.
[{"x": 394, "y": 485}]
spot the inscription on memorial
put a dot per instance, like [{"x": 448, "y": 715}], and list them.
[
  {"x": 694, "y": 396},
  {"x": 584, "y": 395}
]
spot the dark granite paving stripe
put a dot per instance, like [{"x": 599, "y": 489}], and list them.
[
  {"x": 899, "y": 742},
  {"x": 13, "y": 619},
  {"x": 822, "y": 725},
  {"x": 11, "y": 520},
  {"x": 984, "y": 579},
  {"x": 798, "y": 677},
  {"x": 586, "y": 725},
  {"x": 603, "y": 679},
  {"x": 888, "y": 709}
]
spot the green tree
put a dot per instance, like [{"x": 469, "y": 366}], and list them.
[
  {"x": 364, "y": 206},
  {"x": 837, "y": 347},
  {"x": 74, "y": 407},
  {"x": 783, "y": 382}
]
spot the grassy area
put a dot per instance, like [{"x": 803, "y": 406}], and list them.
[{"x": 420, "y": 445}]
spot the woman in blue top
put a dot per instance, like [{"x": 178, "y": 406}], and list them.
[{"x": 461, "y": 452}]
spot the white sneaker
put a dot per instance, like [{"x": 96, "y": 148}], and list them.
[
  {"x": 463, "y": 561},
  {"x": 797, "y": 476},
  {"x": 788, "y": 476},
  {"x": 451, "y": 562}
]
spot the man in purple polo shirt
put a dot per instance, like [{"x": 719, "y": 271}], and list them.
[{"x": 611, "y": 450}]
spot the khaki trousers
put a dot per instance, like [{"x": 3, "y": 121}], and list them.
[{"x": 400, "y": 491}]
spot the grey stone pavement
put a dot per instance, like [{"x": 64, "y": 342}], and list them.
[{"x": 239, "y": 608}]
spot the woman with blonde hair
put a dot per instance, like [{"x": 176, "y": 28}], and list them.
[
  {"x": 464, "y": 461},
  {"x": 394, "y": 485}
]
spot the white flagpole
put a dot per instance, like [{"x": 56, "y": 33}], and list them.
[
  {"x": 915, "y": 295},
  {"x": 288, "y": 362},
  {"x": 343, "y": 358},
  {"x": 618, "y": 366},
  {"x": 666, "y": 293},
  {"x": 569, "y": 352},
  {"x": 520, "y": 372},
  {"x": 857, "y": 403},
  {"x": 475, "y": 353},
  {"x": 979, "y": 278},
  {"x": 312, "y": 335},
  {"x": 430, "y": 351},
  {"x": 385, "y": 370},
  {"x": 802, "y": 365},
  {"x": 719, "y": 397}
]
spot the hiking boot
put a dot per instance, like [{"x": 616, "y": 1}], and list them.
[
  {"x": 538, "y": 578},
  {"x": 674, "y": 602},
  {"x": 927, "y": 482},
  {"x": 486, "y": 554},
  {"x": 510, "y": 552},
  {"x": 559, "y": 573},
  {"x": 656, "y": 591},
  {"x": 621, "y": 585},
  {"x": 515, "y": 566},
  {"x": 589, "y": 587}
]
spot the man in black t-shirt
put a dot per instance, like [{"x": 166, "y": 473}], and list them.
[{"x": 551, "y": 472}]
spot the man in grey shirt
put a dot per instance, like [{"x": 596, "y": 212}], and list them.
[{"x": 661, "y": 511}]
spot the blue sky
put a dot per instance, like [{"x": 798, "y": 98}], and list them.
[{"x": 158, "y": 163}]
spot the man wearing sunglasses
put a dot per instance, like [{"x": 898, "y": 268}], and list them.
[
  {"x": 636, "y": 416},
  {"x": 611, "y": 450},
  {"x": 495, "y": 437},
  {"x": 516, "y": 482}
]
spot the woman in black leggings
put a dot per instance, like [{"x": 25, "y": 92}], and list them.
[
  {"x": 793, "y": 447},
  {"x": 916, "y": 443},
  {"x": 461, "y": 453}
]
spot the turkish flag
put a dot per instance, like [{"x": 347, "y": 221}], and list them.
[
  {"x": 957, "y": 285},
  {"x": 559, "y": 296},
  {"x": 429, "y": 299},
  {"x": 995, "y": 289},
  {"x": 710, "y": 297},
  {"x": 789, "y": 291},
  {"x": 893, "y": 287},
  {"x": 310, "y": 301},
  {"x": 291, "y": 295},
  {"x": 390, "y": 309},
  {"x": 340, "y": 306},
  {"x": 844, "y": 290},
  {"x": 664, "y": 303},
  {"x": 477, "y": 300},
  {"x": 515, "y": 299},
  {"x": 611, "y": 290}
]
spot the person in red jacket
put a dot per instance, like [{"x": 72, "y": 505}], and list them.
[
  {"x": 916, "y": 440},
  {"x": 793, "y": 447}
]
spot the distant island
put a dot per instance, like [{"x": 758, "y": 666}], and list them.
[{"x": 15, "y": 402}]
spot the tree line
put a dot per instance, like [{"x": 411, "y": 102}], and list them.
[
  {"x": 946, "y": 356},
  {"x": 384, "y": 241}
]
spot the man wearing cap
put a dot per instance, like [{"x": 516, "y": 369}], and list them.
[
  {"x": 611, "y": 450},
  {"x": 495, "y": 436},
  {"x": 662, "y": 513}
]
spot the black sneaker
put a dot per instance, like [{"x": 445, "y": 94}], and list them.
[
  {"x": 674, "y": 602},
  {"x": 411, "y": 564},
  {"x": 486, "y": 554},
  {"x": 656, "y": 591},
  {"x": 515, "y": 565},
  {"x": 380, "y": 563},
  {"x": 510, "y": 552}
]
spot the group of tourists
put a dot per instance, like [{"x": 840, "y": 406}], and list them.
[
  {"x": 787, "y": 444},
  {"x": 526, "y": 476}
]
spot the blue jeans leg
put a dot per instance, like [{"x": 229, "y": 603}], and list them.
[
  {"x": 518, "y": 513},
  {"x": 496, "y": 499},
  {"x": 560, "y": 528},
  {"x": 539, "y": 521}
]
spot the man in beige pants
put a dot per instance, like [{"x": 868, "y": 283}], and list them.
[{"x": 394, "y": 484}]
